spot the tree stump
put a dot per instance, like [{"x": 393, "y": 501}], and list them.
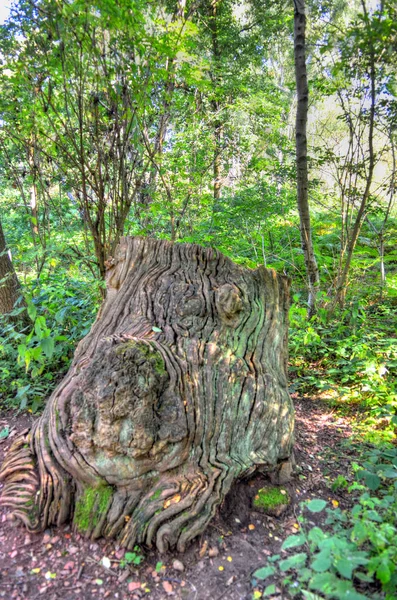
[{"x": 179, "y": 389}]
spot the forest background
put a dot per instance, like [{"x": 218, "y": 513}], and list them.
[{"x": 176, "y": 119}]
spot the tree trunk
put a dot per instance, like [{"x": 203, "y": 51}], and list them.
[
  {"x": 179, "y": 388},
  {"x": 10, "y": 289},
  {"x": 302, "y": 90}
]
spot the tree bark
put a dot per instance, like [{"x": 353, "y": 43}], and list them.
[
  {"x": 302, "y": 90},
  {"x": 179, "y": 388},
  {"x": 10, "y": 289}
]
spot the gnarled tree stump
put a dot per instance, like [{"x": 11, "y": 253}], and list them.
[{"x": 179, "y": 388}]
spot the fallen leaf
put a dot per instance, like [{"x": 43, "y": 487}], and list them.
[
  {"x": 203, "y": 549},
  {"x": 98, "y": 581},
  {"x": 168, "y": 587},
  {"x": 35, "y": 571}
]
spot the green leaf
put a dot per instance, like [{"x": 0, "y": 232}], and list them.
[
  {"x": 344, "y": 568},
  {"x": 316, "y": 505},
  {"x": 322, "y": 561},
  {"x": 157, "y": 329},
  {"x": 293, "y": 541},
  {"x": 32, "y": 311},
  {"x": 372, "y": 480},
  {"x": 269, "y": 590},
  {"x": 4, "y": 433},
  {"x": 324, "y": 582},
  {"x": 47, "y": 344},
  {"x": 383, "y": 572},
  {"x": 390, "y": 473},
  {"x": 159, "y": 566},
  {"x": 264, "y": 572},
  {"x": 316, "y": 535},
  {"x": 297, "y": 560}
]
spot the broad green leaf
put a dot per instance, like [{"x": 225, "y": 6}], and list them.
[
  {"x": 344, "y": 568},
  {"x": 269, "y": 590},
  {"x": 322, "y": 561},
  {"x": 47, "y": 344},
  {"x": 316, "y": 535},
  {"x": 316, "y": 505},
  {"x": 297, "y": 560},
  {"x": 372, "y": 480},
  {"x": 293, "y": 541},
  {"x": 264, "y": 572},
  {"x": 383, "y": 572}
]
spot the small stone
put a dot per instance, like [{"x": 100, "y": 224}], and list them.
[
  {"x": 178, "y": 565},
  {"x": 213, "y": 552},
  {"x": 134, "y": 585},
  {"x": 200, "y": 565}
]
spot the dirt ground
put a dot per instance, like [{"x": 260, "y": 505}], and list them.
[{"x": 61, "y": 564}]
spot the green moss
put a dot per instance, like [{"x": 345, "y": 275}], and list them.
[
  {"x": 91, "y": 506},
  {"x": 270, "y": 497},
  {"x": 156, "y": 495}
]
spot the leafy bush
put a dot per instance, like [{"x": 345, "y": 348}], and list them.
[{"x": 33, "y": 360}]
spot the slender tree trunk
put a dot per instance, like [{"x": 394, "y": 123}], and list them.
[
  {"x": 342, "y": 281},
  {"x": 215, "y": 103},
  {"x": 312, "y": 272},
  {"x": 179, "y": 389},
  {"x": 10, "y": 289}
]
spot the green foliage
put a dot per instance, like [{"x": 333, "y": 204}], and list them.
[
  {"x": 33, "y": 360},
  {"x": 349, "y": 358},
  {"x": 354, "y": 552},
  {"x": 134, "y": 558}
]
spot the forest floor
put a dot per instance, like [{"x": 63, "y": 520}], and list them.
[{"x": 60, "y": 563}]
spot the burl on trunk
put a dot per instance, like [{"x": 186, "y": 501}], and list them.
[{"x": 179, "y": 388}]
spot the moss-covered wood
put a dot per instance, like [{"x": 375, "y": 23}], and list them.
[{"x": 179, "y": 388}]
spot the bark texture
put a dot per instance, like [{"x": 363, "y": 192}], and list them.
[
  {"x": 10, "y": 289},
  {"x": 179, "y": 389},
  {"x": 302, "y": 91}
]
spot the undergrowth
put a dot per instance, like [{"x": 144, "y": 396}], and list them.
[
  {"x": 33, "y": 359},
  {"x": 350, "y": 554},
  {"x": 349, "y": 360}
]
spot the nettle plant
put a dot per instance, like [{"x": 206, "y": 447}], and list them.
[{"x": 354, "y": 557}]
